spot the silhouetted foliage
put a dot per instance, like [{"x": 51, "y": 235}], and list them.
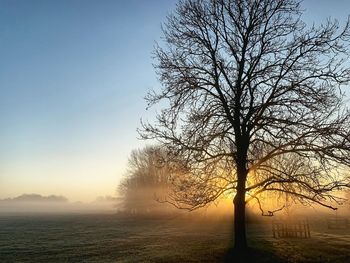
[{"x": 255, "y": 103}]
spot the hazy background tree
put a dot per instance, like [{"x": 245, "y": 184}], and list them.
[
  {"x": 146, "y": 182},
  {"x": 249, "y": 86}
]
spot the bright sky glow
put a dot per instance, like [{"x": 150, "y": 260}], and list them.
[{"x": 73, "y": 75}]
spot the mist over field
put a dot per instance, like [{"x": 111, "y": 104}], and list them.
[
  {"x": 35, "y": 203},
  {"x": 40, "y": 229},
  {"x": 147, "y": 204},
  {"x": 205, "y": 235}
]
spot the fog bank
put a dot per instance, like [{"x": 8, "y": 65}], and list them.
[{"x": 36, "y": 203}]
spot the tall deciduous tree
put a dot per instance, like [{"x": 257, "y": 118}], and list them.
[{"x": 255, "y": 103}]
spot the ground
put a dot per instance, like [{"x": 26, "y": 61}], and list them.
[{"x": 118, "y": 238}]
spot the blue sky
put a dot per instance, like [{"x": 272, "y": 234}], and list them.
[{"x": 73, "y": 75}]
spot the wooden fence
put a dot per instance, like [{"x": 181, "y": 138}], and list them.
[{"x": 295, "y": 229}]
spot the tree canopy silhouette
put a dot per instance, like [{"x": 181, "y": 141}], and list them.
[{"x": 255, "y": 103}]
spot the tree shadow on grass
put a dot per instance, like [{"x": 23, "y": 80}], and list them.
[{"x": 254, "y": 255}]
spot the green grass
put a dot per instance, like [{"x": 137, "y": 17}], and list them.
[{"x": 113, "y": 238}]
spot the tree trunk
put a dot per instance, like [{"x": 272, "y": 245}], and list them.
[
  {"x": 239, "y": 212},
  {"x": 239, "y": 222}
]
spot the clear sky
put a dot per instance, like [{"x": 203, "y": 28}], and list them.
[{"x": 73, "y": 74}]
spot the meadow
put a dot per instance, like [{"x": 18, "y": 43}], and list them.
[{"x": 120, "y": 238}]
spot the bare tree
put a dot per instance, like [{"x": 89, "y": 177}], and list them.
[{"x": 255, "y": 103}]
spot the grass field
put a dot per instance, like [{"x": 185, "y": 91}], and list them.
[{"x": 113, "y": 238}]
